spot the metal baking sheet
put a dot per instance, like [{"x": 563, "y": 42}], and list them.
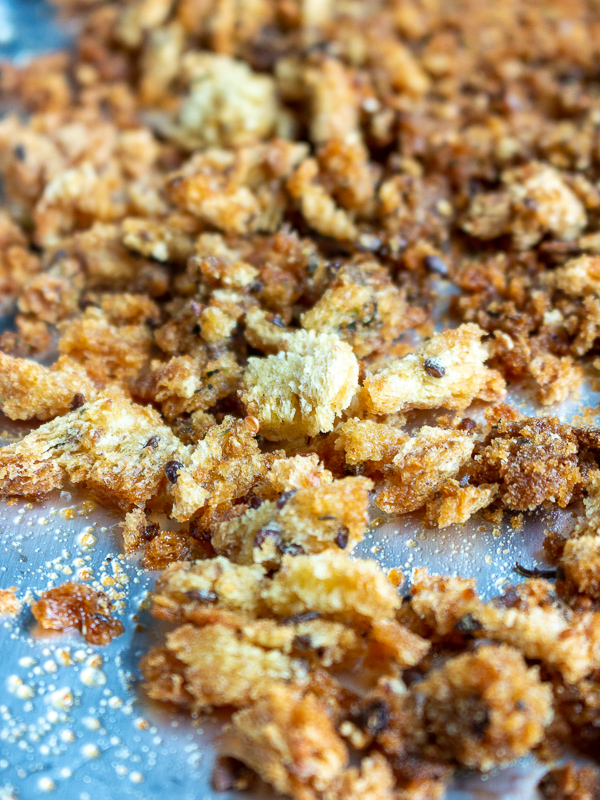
[{"x": 73, "y": 721}]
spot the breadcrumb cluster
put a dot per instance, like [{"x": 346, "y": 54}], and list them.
[{"x": 273, "y": 266}]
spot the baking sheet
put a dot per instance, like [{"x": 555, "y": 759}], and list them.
[{"x": 73, "y": 721}]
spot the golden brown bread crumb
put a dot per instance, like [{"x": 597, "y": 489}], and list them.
[
  {"x": 581, "y": 563},
  {"x": 485, "y": 708},
  {"x": 421, "y": 467},
  {"x": 228, "y": 104},
  {"x": 166, "y": 547},
  {"x": 373, "y": 778},
  {"x": 363, "y": 307},
  {"x": 351, "y": 590},
  {"x": 217, "y": 209},
  {"x": 31, "y": 390},
  {"x": 366, "y": 442},
  {"x": 570, "y": 783},
  {"x": 301, "y": 391},
  {"x": 531, "y": 460},
  {"x": 307, "y": 520},
  {"x": 289, "y": 740},
  {"x": 75, "y": 606},
  {"x": 9, "y": 603},
  {"x": 116, "y": 448},
  {"x": 536, "y": 200},
  {"x": 456, "y": 504},
  {"x": 223, "y": 466},
  {"x": 447, "y": 371},
  {"x": 529, "y": 617},
  {"x": 246, "y": 671},
  {"x": 182, "y": 588}
]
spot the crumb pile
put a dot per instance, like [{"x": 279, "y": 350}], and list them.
[{"x": 226, "y": 231}]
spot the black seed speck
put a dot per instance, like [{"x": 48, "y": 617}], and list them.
[
  {"x": 342, "y": 537},
  {"x": 290, "y": 549},
  {"x": 374, "y": 717},
  {"x": 172, "y": 470},
  {"x": 536, "y": 572},
  {"x": 285, "y": 497},
  {"x": 296, "y": 619},
  {"x": 78, "y": 401},
  {"x": 434, "y": 368},
  {"x": 480, "y": 722},
  {"x": 302, "y": 642},
  {"x": 467, "y": 424},
  {"x": 267, "y": 533},
  {"x": 202, "y": 596},
  {"x": 152, "y": 442},
  {"x": 468, "y": 624}
]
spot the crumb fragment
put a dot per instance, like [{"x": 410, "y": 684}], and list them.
[
  {"x": 9, "y": 602},
  {"x": 448, "y": 371},
  {"x": 31, "y": 390},
  {"x": 75, "y": 606},
  {"x": 486, "y": 708},
  {"x": 305, "y": 520},
  {"x": 421, "y": 467},
  {"x": 332, "y": 584},
  {"x": 114, "y": 447},
  {"x": 456, "y": 504},
  {"x": 301, "y": 391},
  {"x": 290, "y": 742},
  {"x": 570, "y": 783}
]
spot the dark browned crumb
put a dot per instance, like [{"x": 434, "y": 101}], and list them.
[
  {"x": 532, "y": 461},
  {"x": 75, "y": 606},
  {"x": 570, "y": 783}
]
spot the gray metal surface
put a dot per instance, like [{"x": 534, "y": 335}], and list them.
[{"x": 73, "y": 721}]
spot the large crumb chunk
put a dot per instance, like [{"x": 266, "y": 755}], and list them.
[
  {"x": 581, "y": 563},
  {"x": 456, "y": 504},
  {"x": 442, "y": 601},
  {"x": 298, "y": 472},
  {"x": 363, "y": 307},
  {"x": 290, "y": 741},
  {"x": 222, "y": 668},
  {"x": 183, "y": 589},
  {"x": 421, "y": 467},
  {"x": 303, "y": 521},
  {"x": 116, "y": 448},
  {"x": 448, "y": 371},
  {"x": 237, "y": 191},
  {"x": 29, "y": 390},
  {"x": 486, "y": 708},
  {"x": 373, "y": 779},
  {"x": 317, "y": 206},
  {"x": 301, "y": 391},
  {"x": 75, "y": 606},
  {"x": 366, "y": 442},
  {"x": 229, "y": 105},
  {"x": 570, "y": 783},
  {"x": 107, "y": 351},
  {"x": 579, "y": 277},
  {"x": 185, "y": 384},
  {"x": 531, "y": 618},
  {"x": 536, "y": 200},
  {"x": 222, "y": 467},
  {"x": 531, "y": 460},
  {"x": 332, "y": 584}
]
